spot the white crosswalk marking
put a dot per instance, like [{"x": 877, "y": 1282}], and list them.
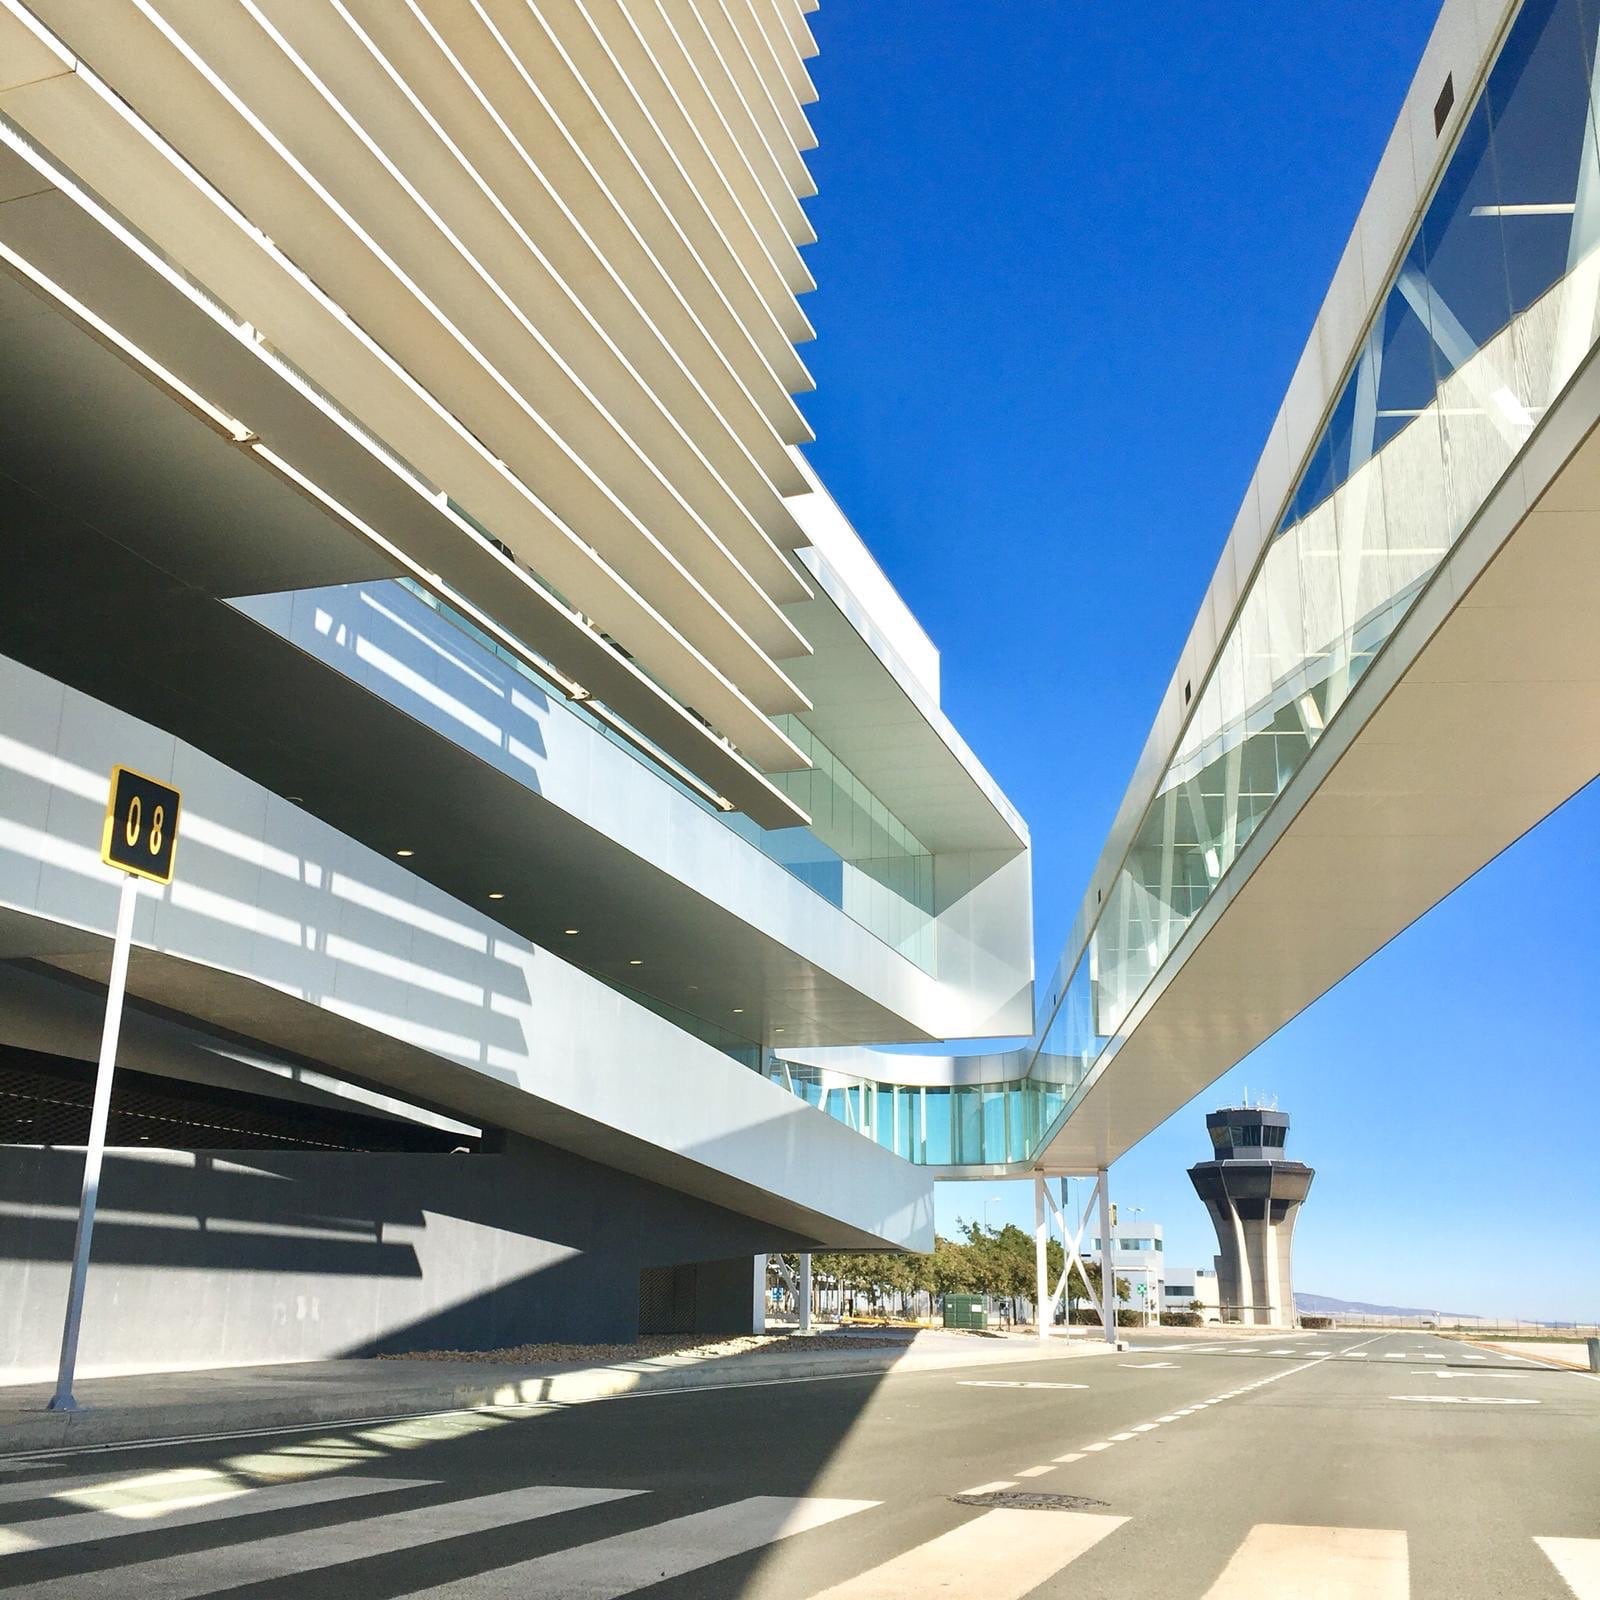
[
  {"x": 61, "y": 1485},
  {"x": 283, "y": 1556},
  {"x": 1002, "y": 1555},
  {"x": 1278, "y": 1562},
  {"x": 213, "y": 1504},
  {"x": 1578, "y": 1562},
  {"x": 608, "y": 1568}
]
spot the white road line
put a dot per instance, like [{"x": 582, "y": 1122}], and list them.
[
  {"x": 1467, "y": 1399},
  {"x": 1036, "y": 1472},
  {"x": 1145, "y": 1427},
  {"x": 1014, "y": 1551},
  {"x": 1578, "y": 1562},
  {"x": 1104, "y": 1444},
  {"x": 1071, "y": 1455},
  {"x": 1150, "y": 1366},
  {"x": 1004, "y": 1383},
  {"x": 213, "y": 1505},
  {"x": 1355, "y": 1355},
  {"x": 992, "y": 1488},
  {"x": 608, "y": 1568},
  {"x": 1121, "y": 1438},
  {"x": 282, "y": 1557},
  {"x": 1395, "y": 1355},
  {"x": 1475, "y": 1358},
  {"x": 1277, "y": 1562},
  {"x": 1173, "y": 1418}
]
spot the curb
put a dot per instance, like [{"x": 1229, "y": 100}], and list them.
[{"x": 103, "y": 1427}]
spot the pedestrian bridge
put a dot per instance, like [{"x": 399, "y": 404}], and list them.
[{"x": 1396, "y": 670}]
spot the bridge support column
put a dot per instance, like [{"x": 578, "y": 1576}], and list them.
[
  {"x": 802, "y": 1294},
  {"x": 1044, "y": 1303},
  {"x": 1108, "y": 1258}
]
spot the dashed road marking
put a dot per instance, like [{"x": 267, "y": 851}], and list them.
[
  {"x": 1104, "y": 1444},
  {"x": 991, "y": 1488},
  {"x": 1068, "y": 1458}
]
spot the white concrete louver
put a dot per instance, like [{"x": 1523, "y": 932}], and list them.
[{"x": 428, "y": 211}]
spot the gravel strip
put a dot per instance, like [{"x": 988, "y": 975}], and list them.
[{"x": 696, "y": 1346}]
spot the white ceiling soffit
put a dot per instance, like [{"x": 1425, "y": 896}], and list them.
[
  {"x": 682, "y": 630},
  {"x": 284, "y": 430},
  {"x": 750, "y": 266},
  {"x": 628, "y": 177},
  {"x": 1478, "y": 720}
]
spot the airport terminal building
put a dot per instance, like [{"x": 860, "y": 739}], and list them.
[{"x": 400, "y": 457}]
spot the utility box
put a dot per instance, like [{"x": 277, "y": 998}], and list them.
[{"x": 966, "y": 1311}]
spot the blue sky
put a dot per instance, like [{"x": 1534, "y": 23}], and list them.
[{"x": 1068, "y": 257}]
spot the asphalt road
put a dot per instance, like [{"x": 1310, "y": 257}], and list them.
[{"x": 1333, "y": 1465}]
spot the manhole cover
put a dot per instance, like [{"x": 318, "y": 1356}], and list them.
[{"x": 1021, "y": 1500}]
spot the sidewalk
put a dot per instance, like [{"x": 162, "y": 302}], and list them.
[{"x": 168, "y": 1405}]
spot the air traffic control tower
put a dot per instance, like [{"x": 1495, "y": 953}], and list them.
[{"x": 1254, "y": 1196}]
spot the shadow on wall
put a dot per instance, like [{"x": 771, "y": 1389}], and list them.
[{"x": 217, "y": 1257}]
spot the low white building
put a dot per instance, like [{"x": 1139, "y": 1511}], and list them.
[
  {"x": 1137, "y": 1255},
  {"x": 1185, "y": 1285}
]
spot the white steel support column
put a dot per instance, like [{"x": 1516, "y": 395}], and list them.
[
  {"x": 1108, "y": 1258},
  {"x": 1048, "y": 1211},
  {"x": 758, "y": 1309},
  {"x": 802, "y": 1294},
  {"x": 1044, "y": 1304}
]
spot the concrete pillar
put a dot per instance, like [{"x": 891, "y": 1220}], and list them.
[
  {"x": 758, "y": 1313},
  {"x": 1108, "y": 1260},
  {"x": 1043, "y": 1309},
  {"x": 803, "y": 1294}
]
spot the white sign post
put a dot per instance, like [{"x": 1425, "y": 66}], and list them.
[
  {"x": 140, "y": 839},
  {"x": 62, "y": 1399}
]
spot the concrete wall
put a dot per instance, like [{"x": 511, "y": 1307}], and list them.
[
  {"x": 281, "y": 930},
  {"x": 233, "y": 1258}
]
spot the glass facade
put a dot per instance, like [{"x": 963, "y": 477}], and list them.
[
  {"x": 1488, "y": 317},
  {"x": 857, "y": 854},
  {"x": 942, "y": 1125}
]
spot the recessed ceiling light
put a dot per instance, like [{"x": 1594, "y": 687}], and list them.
[
  {"x": 569, "y": 930},
  {"x": 777, "y": 1030},
  {"x": 294, "y": 799},
  {"x": 405, "y": 852},
  {"x": 738, "y": 1011},
  {"x": 495, "y": 894},
  {"x": 636, "y": 962}
]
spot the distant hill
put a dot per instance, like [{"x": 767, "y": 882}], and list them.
[{"x": 1324, "y": 1304}]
